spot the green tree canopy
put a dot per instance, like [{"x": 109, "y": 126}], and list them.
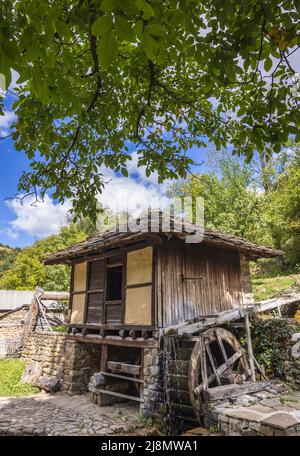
[
  {"x": 232, "y": 201},
  {"x": 99, "y": 75},
  {"x": 27, "y": 271}
]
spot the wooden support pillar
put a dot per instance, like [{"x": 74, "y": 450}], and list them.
[{"x": 250, "y": 348}]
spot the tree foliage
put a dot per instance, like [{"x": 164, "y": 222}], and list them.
[
  {"x": 98, "y": 76},
  {"x": 237, "y": 202},
  {"x": 27, "y": 271}
]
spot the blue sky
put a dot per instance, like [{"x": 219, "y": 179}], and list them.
[{"x": 12, "y": 164}]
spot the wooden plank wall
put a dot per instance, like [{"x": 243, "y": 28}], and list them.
[{"x": 218, "y": 290}]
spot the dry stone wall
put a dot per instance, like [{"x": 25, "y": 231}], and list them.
[
  {"x": 62, "y": 357},
  {"x": 153, "y": 382},
  {"x": 12, "y": 323}
]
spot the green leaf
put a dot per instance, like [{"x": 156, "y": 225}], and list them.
[
  {"x": 144, "y": 6},
  {"x": 150, "y": 46},
  {"x": 124, "y": 172},
  {"x": 107, "y": 49},
  {"x": 124, "y": 29},
  {"x": 63, "y": 29},
  {"x": 51, "y": 58},
  {"x": 156, "y": 29},
  {"x": 268, "y": 64},
  {"x": 101, "y": 25},
  {"x": 108, "y": 5},
  {"x": 128, "y": 6}
]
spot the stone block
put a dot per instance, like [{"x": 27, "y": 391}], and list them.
[{"x": 280, "y": 420}]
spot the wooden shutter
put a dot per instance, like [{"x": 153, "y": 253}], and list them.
[{"x": 95, "y": 292}]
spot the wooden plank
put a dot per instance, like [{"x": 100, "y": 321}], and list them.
[
  {"x": 94, "y": 339},
  {"x": 114, "y": 393},
  {"x": 234, "y": 390},
  {"x": 232, "y": 315},
  {"x": 250, "y": 348},
  {"x": 55, "y": 295},
  {"x": 122, "y": 377},
  {"x": 116, "y": 366},
  {"x": 104, "y": 356},
  {"x": 113, "y": 313},
  {"x": 112, "y": 327},
  {"x": 96, "y": 275},
  {"x": 203, "y": 366}
]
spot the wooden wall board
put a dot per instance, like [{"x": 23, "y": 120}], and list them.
[
  {"x": 77, "y": 308},
  {"x": 79, "y": 281},
  {"x": 196, "y": 279},
  {"x": 138, "y": 305}
]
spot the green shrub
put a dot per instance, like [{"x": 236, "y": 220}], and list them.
[{"x": 270, "y": 338}]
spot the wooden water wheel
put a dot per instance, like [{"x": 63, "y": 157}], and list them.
[{"x": 217, "y": 359}]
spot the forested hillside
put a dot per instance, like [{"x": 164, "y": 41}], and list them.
[
  {"x": 26, "y": 270},
  {"x": 7, "y": 257}
]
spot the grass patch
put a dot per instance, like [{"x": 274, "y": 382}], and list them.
[
  {"x": 266, "y": 288},
  {"x": 11, "y": 371},
  {"x": 60, "y": 328}
]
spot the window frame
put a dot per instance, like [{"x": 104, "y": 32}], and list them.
[{"x": 108, "y": 259}]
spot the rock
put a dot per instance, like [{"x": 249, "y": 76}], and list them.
[
  {"x": 244, "y": 414},
  {"x": 280, "y": 421},
  {"x": 32, "y": 373},
  {"x": 49, "y": 384}
]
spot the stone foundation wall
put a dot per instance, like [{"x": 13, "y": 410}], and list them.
[
  {"x": 153, "y": 382},
  {"x": 12, "y": 323},
  {"x": 62, "y": 357}
]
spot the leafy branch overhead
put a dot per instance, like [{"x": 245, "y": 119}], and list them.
[{"x": 98, "y": 76}]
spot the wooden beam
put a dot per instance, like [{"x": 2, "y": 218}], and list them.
[
  {"x": 55, "y": 295},
  {"x": 116, "y": 366},
  {"x": 188, "y": 329},
  {"x": 94, "y": 339},
  {"x": 122, "y": 377},
  {"x": 250, "y": 348},
  {"x": 114, "y": 393},
  {"x": 233, "y": 390}
]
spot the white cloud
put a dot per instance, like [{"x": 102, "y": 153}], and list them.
[
  {"x": 133, "y": 193},
  {"x": 6, "y": 121},
  {"x": 38, "y": 220}
]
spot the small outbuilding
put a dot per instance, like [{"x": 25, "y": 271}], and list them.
[{"x": 128, "y": 287}]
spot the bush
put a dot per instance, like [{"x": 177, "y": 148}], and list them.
[{"x": 270, "y": 340}]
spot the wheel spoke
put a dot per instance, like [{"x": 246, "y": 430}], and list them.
[{"x": 211, "y": 359}]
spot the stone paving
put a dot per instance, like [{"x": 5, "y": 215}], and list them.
[
  {"x": 59, "y": 414},
  {"x": 261, "y": 414}
]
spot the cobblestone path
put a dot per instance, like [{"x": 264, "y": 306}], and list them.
[{"x": 59, "y": 414}]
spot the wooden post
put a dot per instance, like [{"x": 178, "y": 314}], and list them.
[{"x": 250, "y": 349}]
